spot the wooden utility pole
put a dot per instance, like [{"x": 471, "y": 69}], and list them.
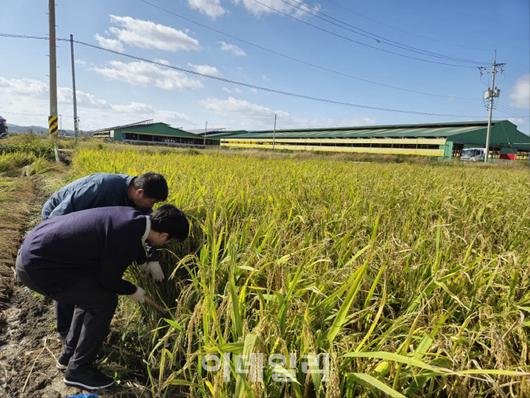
[
  {"x": 76, "y": 120},
  {"x": 53, "y": 120},
  {"x": 274, "y": 132},
  {"x": 490, "y": 95},
  {"x": 204, "y": 135}
]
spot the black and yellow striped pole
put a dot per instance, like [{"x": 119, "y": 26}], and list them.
[
  {"x": 53, "y": 131},
  {"x": 53, "y": 125}
]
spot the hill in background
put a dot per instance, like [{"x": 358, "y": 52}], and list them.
[{"x": 15, "y": 129}]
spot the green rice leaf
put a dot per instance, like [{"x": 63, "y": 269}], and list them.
[{"x": 366, "y": 379}]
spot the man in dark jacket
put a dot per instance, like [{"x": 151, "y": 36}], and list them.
[
  {"x": 79, "y": 259},
  {"x": 102, "y": 190}
]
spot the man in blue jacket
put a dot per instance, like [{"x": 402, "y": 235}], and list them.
[
  {"x": 79, "y": 259},
  {"x": 101, "y": 190}
]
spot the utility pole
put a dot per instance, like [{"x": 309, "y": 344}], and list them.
[
  {"x": 76, "y": 120},
  {"x": 274, "y": 132},
  {"x": 489, "y": 96},
  {"x": 53, "y": 119},
  {"x": 204, "y": 135}
]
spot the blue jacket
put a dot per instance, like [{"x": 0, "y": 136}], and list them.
[
  {"x": 99, "y": 243},
  {"x": 95, "y": 190}
]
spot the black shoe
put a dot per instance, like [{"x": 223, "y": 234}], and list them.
[
  {"x": 89, "y": 378},
  {"x": 62, "y": 362}
]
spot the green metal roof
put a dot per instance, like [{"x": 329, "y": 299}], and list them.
[
  {"x": 504, "y": 133},
  {"x": 157, "y": 129},
  {"x": 220, "y": 134}
]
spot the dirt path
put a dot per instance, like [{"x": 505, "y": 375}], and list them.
[{"x": 28, "y": 345}]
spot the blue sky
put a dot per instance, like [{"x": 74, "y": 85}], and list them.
[{"x": 113, "y": 89}]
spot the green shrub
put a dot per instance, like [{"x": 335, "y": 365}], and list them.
[
  {"x": 38, "y": 148},
  {"x": 15, "y": 160}
]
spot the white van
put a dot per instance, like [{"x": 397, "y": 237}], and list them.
[{"x": 473, "y": 154}]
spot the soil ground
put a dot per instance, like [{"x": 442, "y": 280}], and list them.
[{"x": 28, "y": 344}]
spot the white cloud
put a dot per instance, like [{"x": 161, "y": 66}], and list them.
[
  {"x": 520, "y": 94},
  {"x": 205, "y": 69},
  {"x": 141, "y": 73},
  {"x": 297, "y": 8},
  {"x": 241, "y": 112},
  {"x": 234, "y": 113},
  {"x": 110, "y": 44},
  {"x": 147, "y": 34},
  {"x": 134, "y": 107},
  {"x": 162, "y": 61},
  {"x": 212, "y": 8},
  {"x": 84, "y": 99},
  {"x": 30, "y": 106},
  {"x": 23, "y": 87},
  {"x": 232, "y": 48},
  {"x": 230, "y": 90},
  {"x": 517, "y": 120},
  {"x": 325, "y": 123},
  {"x": 176, "y": 119}
]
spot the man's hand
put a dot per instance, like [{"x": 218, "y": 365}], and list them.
[
  {"x": 153, "y": 268},
  {"x": 138, "y": 295}
]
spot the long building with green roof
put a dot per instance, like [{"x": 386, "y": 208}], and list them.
[
  {"x": 443, "y": 140},
  {"x": 146, "y": 133}
]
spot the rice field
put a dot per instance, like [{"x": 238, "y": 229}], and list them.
[{"x": 407, "y": 279}]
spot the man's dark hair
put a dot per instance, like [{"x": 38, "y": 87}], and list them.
[
  {"x": 153, "y": 184},
  {"x": 169, "y": 219}
]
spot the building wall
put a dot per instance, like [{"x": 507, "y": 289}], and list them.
[
  {"x": 433, "y": 147},
  {"x": 161, "y": 133}
]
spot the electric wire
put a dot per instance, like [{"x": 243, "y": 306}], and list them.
[
  {"x": 307, "y": 63},
  {"x": 247, "y": 85},
  {"x": 268, "y": 89},
  {"x": 378, "y": 38},
  {"x": 359, "y": 42},
  {"x": 399, "y": 29}
]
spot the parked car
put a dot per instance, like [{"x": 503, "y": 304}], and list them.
[{"x": 473, "y": 154}]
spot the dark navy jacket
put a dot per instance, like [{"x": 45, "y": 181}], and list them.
[
  {"x": 95, "y": 190},
  {"x": 99, "y": 243}
]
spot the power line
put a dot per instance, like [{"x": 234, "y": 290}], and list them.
[
  {"x": 266, "y": 89},
  {"x": 323, "y": 68},
  {"x": 359, "y": 42},
  {"x": 16, "y": 36},
  {"x": 300, "y": 61},
  {"x": 504, "y": 109},
  {"x": 250, "y": 85},
  {"x": 506, "y": 113},
  {"x": 399, "y": 29},
  {"x": 378, "y": 38}
]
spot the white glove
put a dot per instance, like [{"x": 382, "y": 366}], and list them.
[
  {"x": 153, "y": 268},
  {"x": 138, "y": 295}
]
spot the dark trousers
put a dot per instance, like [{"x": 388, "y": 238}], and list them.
[
  {"x": 94, "y": 309},
  {"x": 64, "y": 314}
]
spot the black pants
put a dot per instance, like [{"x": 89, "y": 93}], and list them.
[
  {"x": 94, "y": 309},
  {"x": 64, "y": 314}
]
